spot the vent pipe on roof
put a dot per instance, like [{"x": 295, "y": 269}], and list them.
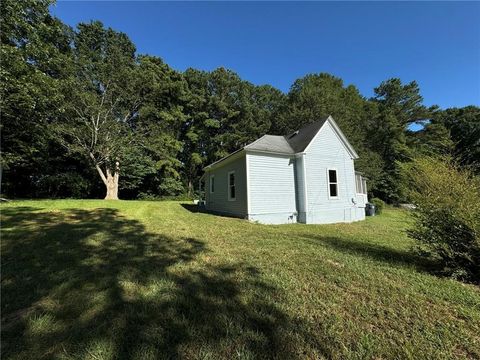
[{"x": 295, "y": 133}]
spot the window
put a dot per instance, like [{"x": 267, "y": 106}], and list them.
[
  {"x": 231, "y": 186},
  {"x": 361, "y": 184},
  {"x": 332, "y": 183},
  {"x": 212, "y": 184},
  {"x": 364, "y": 185}
]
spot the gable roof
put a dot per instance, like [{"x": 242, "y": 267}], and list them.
[
  {"x": 288, "y": 144},
  {"x": 293, "y": 143},
  {"x": 271, "y": 143},
  {"x": 300, "y": 139}
]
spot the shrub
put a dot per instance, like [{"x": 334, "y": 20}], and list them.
[
  {"x": 379, "y": 205},
  {"x": 154, "y": 197},
  {"x": 63, "y": 185},
  {"x": 447, "y": 217}
]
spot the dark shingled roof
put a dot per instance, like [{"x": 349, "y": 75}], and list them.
[
  {"x": 289, "y": 144},
  {"x": 300, "y": 139},
  {"x": 272, "y": 143}
]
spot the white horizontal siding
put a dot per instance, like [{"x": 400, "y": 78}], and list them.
[
  {"x": 328, "y": 152},
  {"x": 271, "y": 187},
  {"x": 218, "y": 200}
]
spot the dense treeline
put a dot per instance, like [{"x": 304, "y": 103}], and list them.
[{"x": 83, "y": 115}]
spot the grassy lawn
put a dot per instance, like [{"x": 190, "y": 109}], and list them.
[{"x": 147, "y": 280}]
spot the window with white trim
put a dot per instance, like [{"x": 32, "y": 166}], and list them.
[
  {"x": 231, "y": 186},
  {"x": 212, "y": 184},
  {"x": 364, "y": 185},
  {"x": 361, "y": 184},
  {"x": 332, "y": 183}
]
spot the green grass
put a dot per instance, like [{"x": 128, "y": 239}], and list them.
[{"x": 147, "y": 280}]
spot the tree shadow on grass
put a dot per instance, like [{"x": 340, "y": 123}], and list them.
[
  {"x": 95, "y": 284},
  {"x": 373, "y": 251},
  {"x": 198, "y": 209},
  {"x": 193, "y": 208}
]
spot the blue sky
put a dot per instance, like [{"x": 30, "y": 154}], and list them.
[{"x": 435, "y": 43}]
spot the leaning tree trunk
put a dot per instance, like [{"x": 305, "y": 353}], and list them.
[
  {"x": 110, "y": 181},
  {"x": 112, "y": 186}
]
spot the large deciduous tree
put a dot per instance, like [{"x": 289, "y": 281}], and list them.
[{"x": 104, "y": 98}]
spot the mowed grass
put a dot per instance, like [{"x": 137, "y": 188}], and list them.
[{"x": 153, "y": 280}]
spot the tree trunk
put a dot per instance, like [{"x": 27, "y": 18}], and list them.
[
  {"x": 112, "y": 183},
  {"x": 190, "y": 188}
]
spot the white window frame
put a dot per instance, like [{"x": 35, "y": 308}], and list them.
[
  {"x": 212, "y": 188},
  {"x": 363, "y": 185},
  {"x": 359, "y": 184},
  {"x": 336, "y": 183},
  {"x": 357, "y": 178},
  {"x": 234, "y": 185}
]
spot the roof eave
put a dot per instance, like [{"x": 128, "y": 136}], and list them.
[
  {"x": 269, "y": 152},
  {"x": 222, "y": 160}
]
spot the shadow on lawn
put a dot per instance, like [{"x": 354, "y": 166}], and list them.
[
  {"x": 92, "y": 283},
  {"x": 373, "y": 251},
  {"x": 197, "y": 209},
  {"x": 193, "y": 208}
]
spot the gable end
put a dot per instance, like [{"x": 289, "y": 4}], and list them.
[{"x": 340, "y": 135}]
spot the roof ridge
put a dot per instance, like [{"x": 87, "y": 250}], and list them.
[{"x": 253, "y": 142}]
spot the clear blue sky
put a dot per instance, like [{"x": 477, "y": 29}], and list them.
[{"x": 435, "y": 43}]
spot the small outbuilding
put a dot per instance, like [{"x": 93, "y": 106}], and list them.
[{"x": 307, "y": 177}]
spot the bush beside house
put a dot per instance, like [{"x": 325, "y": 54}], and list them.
[{"x": 447, "y": 217}]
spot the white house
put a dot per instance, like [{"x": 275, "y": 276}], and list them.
[{"x": 307, "y": 177}]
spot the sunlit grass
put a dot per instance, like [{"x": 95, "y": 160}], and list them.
[{"x": 140, "y": 280}]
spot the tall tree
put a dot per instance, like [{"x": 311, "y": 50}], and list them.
[
  {"x": 160, "y": 123},
  {"x": 104, "y": 99},
  {"x": 464, "y": 127},
  {"x": 35, "y": 52},
  {"x": 225, "y": 113},
  {"x": 399, "y": 106}
]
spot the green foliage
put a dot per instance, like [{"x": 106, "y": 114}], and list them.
[
  {"x": 64, "y": 184},
  {"x": 379, "y": 205},
  {"x": 434, "y": 139},
  {"x": 155, "y": 197},
  {"x": 464, "y": 127},
  {"x": 397, "y": 106},
  {"x": 34, "y": 50},
  {"x": 447, "y": 217},
  {"x": 224, "y": 114}
]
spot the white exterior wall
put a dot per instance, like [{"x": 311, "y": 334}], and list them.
[
  {"x": 271, "y": 187},
  {"x": 218, "y": 200},
  {"x": 326, "y": 151}
]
